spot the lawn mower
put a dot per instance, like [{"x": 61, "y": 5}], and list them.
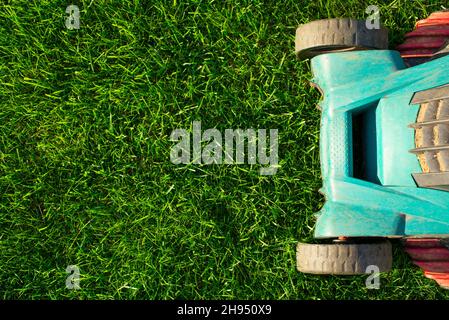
[{"x": 384, "y": 146}]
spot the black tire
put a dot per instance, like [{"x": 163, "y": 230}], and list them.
[
  {"x": 334, "y": 35},
  {"x": 343, "y": 258}
]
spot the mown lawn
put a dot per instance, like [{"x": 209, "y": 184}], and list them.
[{"x": 85, "y": 172}]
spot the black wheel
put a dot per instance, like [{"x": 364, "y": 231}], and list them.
[
  {"x": 343, "y": 258},
  {"x": 334, "y": 35}
]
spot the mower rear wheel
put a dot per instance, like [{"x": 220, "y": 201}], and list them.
[
  {"x": 335, "y": 35},
  {"x": 343, "y": 258}
]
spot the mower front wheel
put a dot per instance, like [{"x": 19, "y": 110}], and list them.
[
  {"x": 337, "y": 35},
  {"x": 343, "y": 258}
]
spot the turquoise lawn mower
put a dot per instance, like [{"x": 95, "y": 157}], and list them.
[{"x": 384, "y": 146}]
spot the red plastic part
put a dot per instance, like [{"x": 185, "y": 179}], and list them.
[
  {"x": 440, "y": 277},
  {"x": 428, "y": 254},
  {"x": 431, "y": 256},
  {"x": 433, "y": 266},
  {"x": 429, "y": 36},
  {"x": 436, "y": 18},
  {"x": 422, "y": 243}
]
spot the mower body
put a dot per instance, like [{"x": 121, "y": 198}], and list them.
[{"x": 372, "y": 176}]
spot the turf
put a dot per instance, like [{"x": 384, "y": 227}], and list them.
[{"x": 85, "y": 171}]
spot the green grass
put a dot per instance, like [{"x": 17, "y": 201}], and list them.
[{"x": 85, "y": 171}]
